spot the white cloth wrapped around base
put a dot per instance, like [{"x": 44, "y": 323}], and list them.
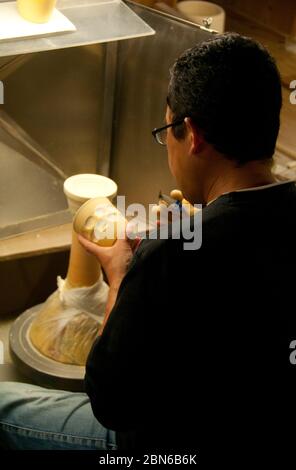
[{"x": 69, "y": 321}]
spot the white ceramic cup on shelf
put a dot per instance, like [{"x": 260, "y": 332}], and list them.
[
  {"x": 80, "y": 188},
  {"x": 206, "y": 14}
]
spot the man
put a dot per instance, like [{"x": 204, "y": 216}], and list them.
[{"x": 196, "y": 342}]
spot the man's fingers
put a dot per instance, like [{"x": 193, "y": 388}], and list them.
[
  {"x": 98, "y": 251},
  {"x": 89, "y": 246}
]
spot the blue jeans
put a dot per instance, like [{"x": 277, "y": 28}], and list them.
[{"x": 33, "y": 418}]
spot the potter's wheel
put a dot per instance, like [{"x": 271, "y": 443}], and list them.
[{"x": 39, "y": 368}]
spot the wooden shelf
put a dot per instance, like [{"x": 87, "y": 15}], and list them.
[{"x": 37, "y": 242}]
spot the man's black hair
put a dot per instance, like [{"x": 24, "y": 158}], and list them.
[{"x": 230, "y": 86}]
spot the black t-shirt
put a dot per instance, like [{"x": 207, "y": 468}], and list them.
[{"x": 195, "y": 353}]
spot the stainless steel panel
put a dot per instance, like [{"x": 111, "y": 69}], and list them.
[
  {"x": 139, "y": 165},
  {"x": 106, "y": 122},
  {"x": 58, "y": 114},
  {"x": 57, "y": 98},
  {"x": 27, "y": 191},
  {"x": 53, "y": 124}
]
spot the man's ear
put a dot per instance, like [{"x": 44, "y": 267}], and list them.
[{"x": 195, "y": 136}]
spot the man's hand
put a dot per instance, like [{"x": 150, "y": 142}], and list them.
[{"x": 114, "y": 260}]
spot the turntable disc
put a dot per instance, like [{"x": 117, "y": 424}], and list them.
[{"x": 39, "y": 368}]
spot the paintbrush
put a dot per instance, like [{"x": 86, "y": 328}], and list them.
[{"x": 168, "y": 200}]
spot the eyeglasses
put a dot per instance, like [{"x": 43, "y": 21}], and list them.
[{"x": 160, "y": 133}]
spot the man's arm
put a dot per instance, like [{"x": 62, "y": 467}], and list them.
[
  {"x": 122, "y": 361},
  {"x": 112, "y": 296},
  {"x": 125, "y": 366},
  {"x": 114, "y": 261}
]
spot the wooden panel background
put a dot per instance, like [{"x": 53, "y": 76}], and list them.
[{"x": 278, "y": 15}]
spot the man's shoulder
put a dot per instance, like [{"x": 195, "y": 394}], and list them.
[
  {"x": 149, "y": 248},
  {"x": 180, "y": 236},
  {"x": 226, "y": 223}
]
